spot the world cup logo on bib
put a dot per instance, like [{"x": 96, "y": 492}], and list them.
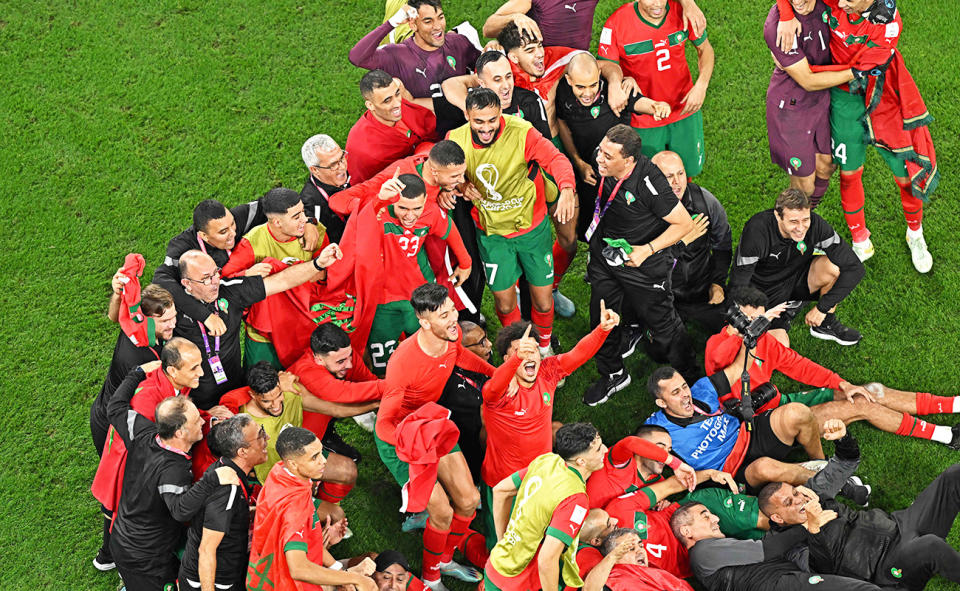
[{"x": 488, "y": 175}]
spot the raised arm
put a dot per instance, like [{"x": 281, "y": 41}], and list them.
[
  {"x": 511, "y": 11},
  {"x": 455, "y": 89}
]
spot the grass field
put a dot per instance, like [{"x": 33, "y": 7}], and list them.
[{"x": 121, "y": 116}]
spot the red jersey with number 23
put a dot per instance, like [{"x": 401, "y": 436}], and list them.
[{"x": 653, "y": 55}]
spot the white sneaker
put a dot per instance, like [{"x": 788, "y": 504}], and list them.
[
  {"x": 863, "y": 250},
  {"x": 367, "y": 420},
  {"x": 922, "y": 260}
]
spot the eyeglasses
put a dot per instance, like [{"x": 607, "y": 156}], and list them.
[
  {"x": 342, "y": 161},
  {"x": 261, "y": 436},
  {"x": 207, "y": 280}
]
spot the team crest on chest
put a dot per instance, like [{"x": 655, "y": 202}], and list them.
[
  {"x": 452, "y": 61},
  {"x": 629, "y": 197},
  {"x": 594, "y": 112}
]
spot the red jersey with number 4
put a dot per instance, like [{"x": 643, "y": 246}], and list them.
[
  {"x": 653, "y": 55},
  {"x": 663, "y": 549}
]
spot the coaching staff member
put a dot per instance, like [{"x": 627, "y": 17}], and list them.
[
  {"x": 635, "y": 204},
  {"x": 776, "y": 254},
  {"x": 158, "y": 489},
  {"x": 219, "y": 536}
]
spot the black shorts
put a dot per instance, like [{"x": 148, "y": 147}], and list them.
[
  {"x": 797, "y": 290},
  {"x": 763, "y": 443}
]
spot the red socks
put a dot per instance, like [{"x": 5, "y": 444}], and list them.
[
  {"x": 852, "y": 200},
  {"x": 914, "y": 427},
  {"x": 458, "y": 528},
  {"x": 475, "y": 549},
  {"x": 434, "y": 544},
  {"x": 928, "y": 404},
  {"x": 543, "y": 322},
  {"x": 510, "y": 317},
  {"x": 912, "y": 207},
  {"x": 332, "y": 492},
  {"x": 561, "y": 262}
]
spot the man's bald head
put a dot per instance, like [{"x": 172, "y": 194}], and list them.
[
  {"x": 671, "y": 165},
  {"x": 596, "y": 527},
  {"x": 200, "y": 275},
  {"x": 177, "y": 417},
  {"x": 583, "y": 76}
]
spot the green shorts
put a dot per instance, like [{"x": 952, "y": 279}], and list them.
[
  {"x": 685, "y": 137},
  {"x": 809, "y": 398},
  {"x": 389, "y": 322},
  {"x": 397, "y": 467},
  {"x": 738, "y": 513},
  {"x": 256, "y": 351},
  {"x": 849, "y": 136},
  {"x": 531, "y": 254}
]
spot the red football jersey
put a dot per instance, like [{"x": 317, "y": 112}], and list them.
[
  {"x": 663, "y": 549},
  {"x": 555, "y": 60},
  {"x": 403, "y": 253},
  {"x": 612, "y": 481},
  {"x": 653, "y": 55}
]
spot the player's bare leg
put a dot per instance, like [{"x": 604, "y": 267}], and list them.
[
  {"x": 822, "y": 275},
  {"x": 505, "y": 303},
  {"x": 796, "y": 423},
  {"x": 804, "y": 183},
  {"x": 764, "y": 470},
  {"x": 454, "y": 475},
  {"x": 883, "y": 418},
  {"x": 781, "y": 335},
  {"x": 339, "y": 478},
  {"x": 564, "y": 251}
]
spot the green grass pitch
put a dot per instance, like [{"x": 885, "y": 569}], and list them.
[{"x": 118, "y": 117}]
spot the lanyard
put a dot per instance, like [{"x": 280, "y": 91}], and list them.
[
  {"x": 206, "y": 343},
  {"x": 203, "y": 247},
  {"x": 598, "y": 213},
  {"x": 173, "y": 449},
  {"x": 319, "y": 188}
]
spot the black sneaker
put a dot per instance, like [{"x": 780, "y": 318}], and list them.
[
  {"x": 103, "y": 563},
  {"x": 955, "y": 440},
  {"x": 832, "y": 330},
  {"x": 633, "y": 339},
  {"x": 336, "y": 444},
  {"x": 601, "y": 390},
  {"x": 855, "y": 490}
]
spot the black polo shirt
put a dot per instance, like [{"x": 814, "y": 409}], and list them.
[
  {"x": 236, "y": 295},
  {"x": 637, "y": 210},
  {"x": 226, "y": 510},
  {"x": 126, "y": 356},
  {"x": 315, "y": 205},
  {"x": 588, "y": 124},
  {"x": 524, "y": 104}
]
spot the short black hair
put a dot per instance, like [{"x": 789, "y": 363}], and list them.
[
  {"x": 573, "y": 439},
  {"x": 226, "y": 437},
  {"x": 262, "y": 377},
  {"x": 653, "y": 382},
  {"x": 791, "y": 199},
  {"x": 482, "y": 98},
  {"x": 511, "y": 333},
  {"x": 413, "y": 187},
  {"x": 628, "y": 140},
  {"x": 447, "y": 153},
  {"x": 748, "y": 295},
  {"x": 765, "y": 497},
  {"x": 171, "y": 415},
  {"x": 644, "y": 430},
  {"x": 486, "y": 58},
  {"x": 278, "y": 201},
  {"x": 373, "y": 80},
  {"x": 416, "y": 4},
  {"x": 206, "y": 210},
  {"x": 292, "y": 441},
  {"x": 327, "y": 338},
  {"x": 511, "y": 38},
  {"x": 428, "y": 298}
]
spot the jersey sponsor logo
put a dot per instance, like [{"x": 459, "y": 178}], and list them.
[
  {"x": 520, "y": 413},
  {"x": 662, "y": 286},
  {"x": 421, "y": 71},
  {"x": 572, "y": 7},
  {"x": 452, "y": 61},
  {"x": 776, "y": 255},
  {"x": 489, "y": 176}
]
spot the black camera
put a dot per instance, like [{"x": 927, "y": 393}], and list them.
[
  {"x": 749, "y": 329},
  {"x": 744, "y": 407}
]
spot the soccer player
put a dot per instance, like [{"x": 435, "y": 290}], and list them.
[
  {"x": 637, "y": 218},
  {"x": 702, "y": 265},
  {"x": 709, "y": 439},
  {"x": 549, "y": 505},
  {"x": 510, "y": 206},
  {"x": 416, "y": 374},
  {"x": 864, "y": 35},
  {"x": 493, "y": 71},
  {"x": 390, "y": 129},
  {"x": 327, "y": 165},
  {"x": 556, "y": 22},
  {"x": 158, "y": 490},
  {"x": 905, "y": 548},
  {"x": 284, "y": 527},
  {"x": 776, "y": 254},
  {"x": 218, "y": 538},
  {"x": 278, "y": 401},
  {"x": 625, "y": 567},
  {"x": 722, "y": 564},
  {"x": 423, "y": 61},
  {"x": 798, "y": 100},
  {"x": 635, "y": 462},
  {"x": 646, "y": 38},
  {"x": 200, "y": 277}
]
